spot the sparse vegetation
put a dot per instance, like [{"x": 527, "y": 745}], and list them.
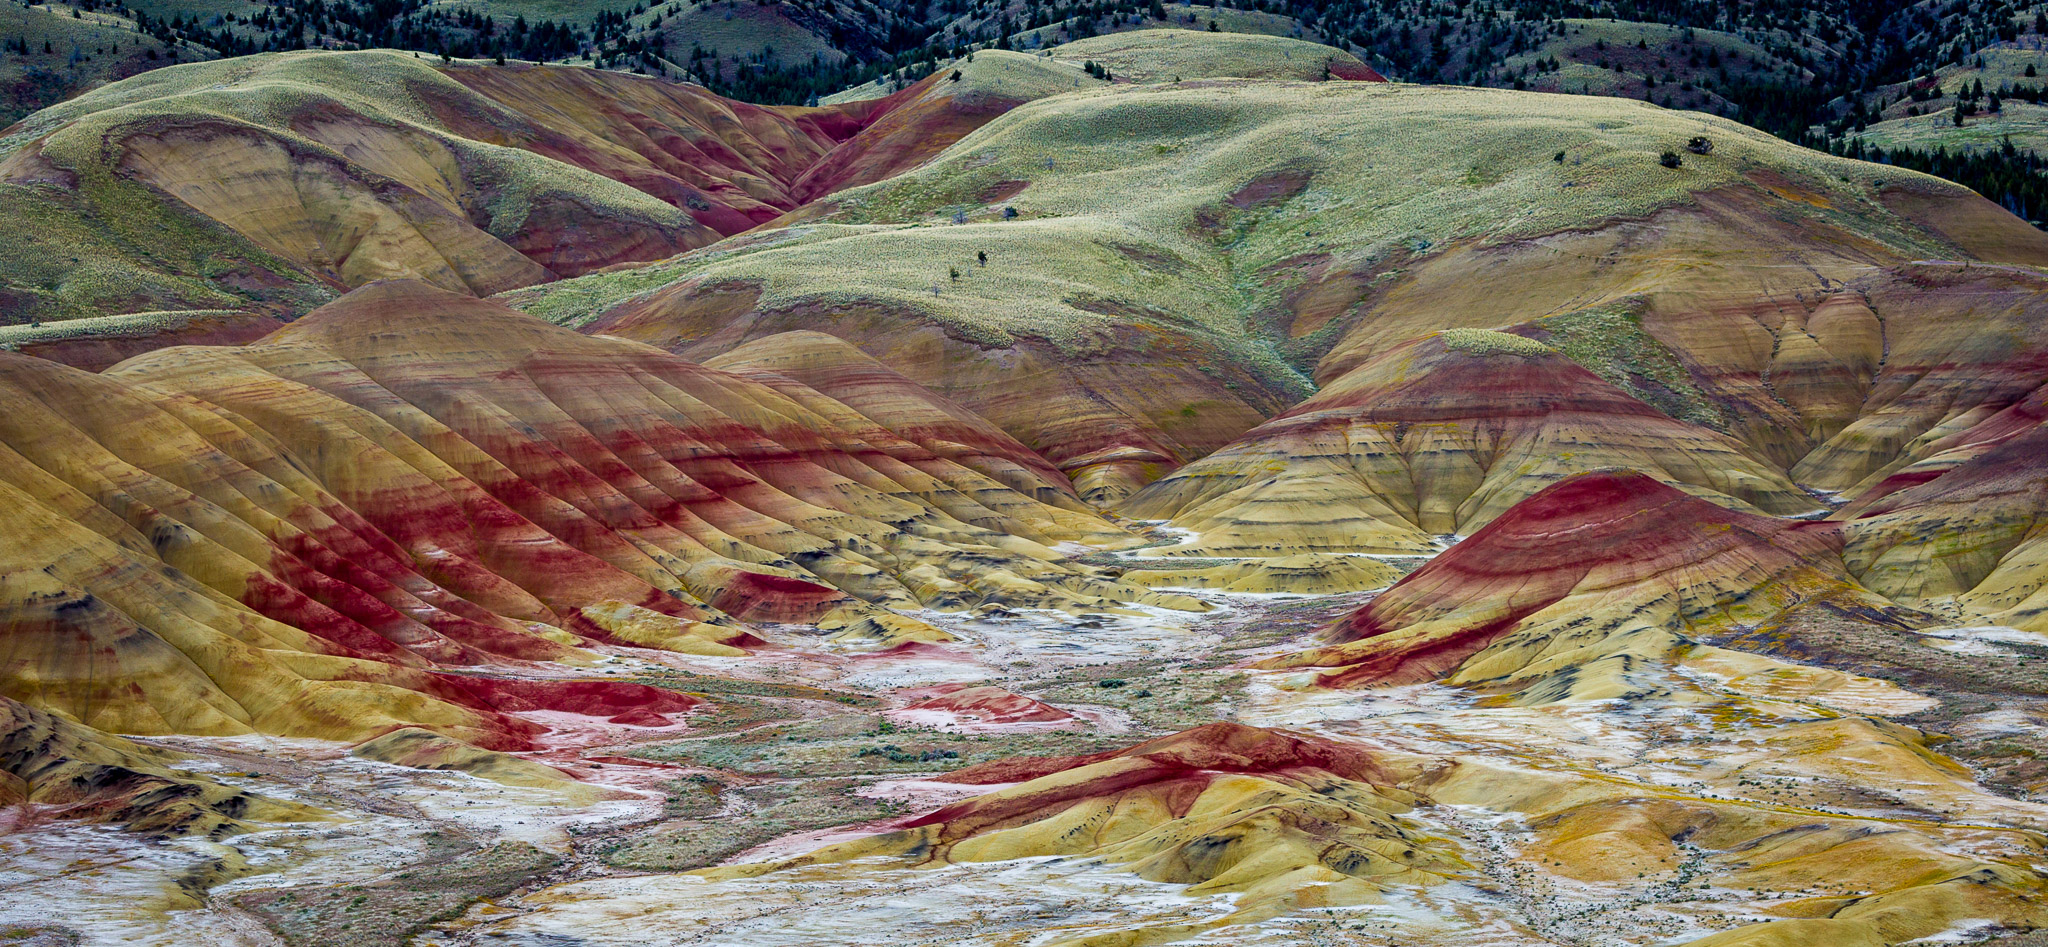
[
  {"x": 1489, "y": 342},
  {"x": 1610, "y": 342},
  {"x": 389, "y": 912}
]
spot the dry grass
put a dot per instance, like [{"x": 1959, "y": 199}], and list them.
[
  {"x": 126, "y": 324},
  {"x": 1489, "y": 342},
  {"x": 90, "y": 49},
  {"x": 1165, "y": 55},
  {"x": 992, "y": 72},
  {"x": 2023, "y": 123},
  {"x": 1227, "y": 20},
  {"x": 1130, "y": 200},
  {"x": 1157, "y": 53}
]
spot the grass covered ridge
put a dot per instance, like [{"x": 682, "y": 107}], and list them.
[
  {"x": 267, "y": 156},
  {"x": 1209, "y": 205}
]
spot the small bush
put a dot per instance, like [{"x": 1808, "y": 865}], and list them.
[
  {"x": 1700, "y": 145},
  {"x": 896, "y": 754},
  {"x": 1670, "y": 159}
]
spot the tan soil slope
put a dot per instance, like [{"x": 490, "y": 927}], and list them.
[
  {"x": 1573, "y": 582},
  {"x": 290, "y": 536},
  {"x": 1437, "y": 436}
]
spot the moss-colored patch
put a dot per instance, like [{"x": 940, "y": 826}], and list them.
[
  {"x": 114, "y": 246},
  {"x": 855, "y": 745},
  {"x": 758, "y": 814},
  {"x": 391, "y": 911},
  {"x": 1610, "y": 342},
  {"x": 705, "y": 684},
  {"x": 1489, "y": 342}
]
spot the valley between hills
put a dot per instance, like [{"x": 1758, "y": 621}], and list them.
[{"x": 1171, "y": 487}]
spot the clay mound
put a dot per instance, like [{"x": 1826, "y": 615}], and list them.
[
  {"x": 731, "y": 165},
  {"x": 627, "y": 623},
  {"x": 1306, "y": 574},
  {"x": 314, "y": 172},
  {"x": 1966, "y": 529},
  {"x": 1572, "y": 582},
  {"x": 1436, "y": 436},
  {"x": 881, "y": 629},
  {"x": 422, "y": 749},
  {"x": 982, "y": 704},
  {"x": 914, "y": 125},
  {"x": 828, "y": 365},
  {"x": 1845, "y": 880},
  {"x": 80, "y": 773},
  {"x": 286, "y": 537},
  {"x": 1223, "y": 808},
  {"x": 1291, "y": 821}
]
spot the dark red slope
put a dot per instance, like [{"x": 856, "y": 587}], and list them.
[{"x": 1620, "y": 533}]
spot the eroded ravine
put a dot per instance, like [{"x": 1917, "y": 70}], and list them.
[{"x": 815, "y": 744}]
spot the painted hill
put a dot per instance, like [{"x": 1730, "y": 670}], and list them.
[
  {"x": 1287, "y": 820},
  {"x": 98, "y": 342},
  {"x": 1186, "y": 262},
  {"x": 828, "y": 365},
  {"x": 279, "y": 179},
  {"x": 286, "y": 537},
  {"x": 1434, "y": 437},
  {"x": 1962, "y": 532},
  {"x": 283, "y": 178},
  {"x": 54, "y": 768},
  {"x": 1291, "y": 821},
  {"x": 1175, "y": 55},
  {"x": 1008, "y": 420},
  {"x": 1595, "y": 567}
]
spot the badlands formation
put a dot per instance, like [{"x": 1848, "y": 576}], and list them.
[{"x": 1238, "y": 500}]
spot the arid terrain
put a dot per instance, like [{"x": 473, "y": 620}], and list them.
[{"x": 1171, "y": 486}]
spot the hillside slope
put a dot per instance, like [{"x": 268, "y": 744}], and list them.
[
  {"x": 1434, "y": 435},
  {"x": 287, "y": 537},
  {"x": 1573, "y": 582},
  {"x": 1129, "y": 278},
  {"x": 275, "y": 181}
]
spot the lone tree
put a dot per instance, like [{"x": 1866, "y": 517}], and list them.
[{"x": 981, "y": 256}]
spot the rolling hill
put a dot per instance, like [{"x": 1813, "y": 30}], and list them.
[{"x": 1143, "y": 486}]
